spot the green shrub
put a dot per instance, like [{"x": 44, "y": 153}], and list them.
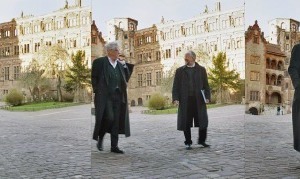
[
  {"x": 157, "y": 102},
  {"x": 68, "y": 97},
  {"x": 14, "y": 97}
]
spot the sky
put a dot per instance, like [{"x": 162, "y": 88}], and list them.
[
  {"x": 12, "y": 8},
  {"x": 149, "y": 12},
  {"x": 266, "y": 10}
]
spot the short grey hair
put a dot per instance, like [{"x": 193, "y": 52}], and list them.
[
  {"x": 111, "y": 46},
  {"x": 191, "y": 53}
]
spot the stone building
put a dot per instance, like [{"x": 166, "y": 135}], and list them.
[
  {"x": 284, "y": 32},
  {"x": 158, "y": 49},
  {"x": 97, "y": 42},
  {"x": 268, "y": 84},
  {"x": 212, "y": 31},
  {"x": 10, "y": 63},
  {"x": 21, "y": 39},
  {"x": 69, "y": 26},
  {"x": 148, "y": 68},
  {"x": 123, "y": 30}
]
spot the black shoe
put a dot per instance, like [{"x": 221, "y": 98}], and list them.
[
  {"x": 116, "y": 150},
  {"x": 188, "y": 147},
  {"x": 204, "y": 144},
  {"x": 100, "y": 145}
]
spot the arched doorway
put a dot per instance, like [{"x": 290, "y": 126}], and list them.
[
  {"x": 253, "y": 111},
  {"x": 140, "y": 102},
  {"x": 132, "y": 103},
  {"x": 275, "y": 98}
]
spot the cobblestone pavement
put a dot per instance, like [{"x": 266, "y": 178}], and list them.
[
  {"x": 57, "y": 144},
  {"x": 269, "y": 148},
  {"x": 46, "y": 144},
  {"x": 156, "y": 149}
]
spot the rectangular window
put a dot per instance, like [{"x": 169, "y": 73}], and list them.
[
  {"x": 178, "y": 50},
  {"x": 287, "y": 47},
  {"x": 94, "y": 40},
  {"x": 5, "y": 92},
  {"x": 16, "y": 50},
  {"x": 6, "y": 73},
  {"x": 148, "y": 97},
  {"x": 16, "y": 72},
  {"x": 158, "y": 77},
  {"x": 255, "y": 60},
  {"x": 6, "y": 51},
  {"x": 148, "y": 79},
  {"x": 48, "y": 43},
  {"x": 140, "y": 80},
  {"x": 158, "y": 57},
  {"x": 256, "y": 40},
  {"x": 74, "y": 43},
  {"x": 37, "y": 47},
  {"x": 254, "y": 95},
  {"x": 168, "y": 53},
  {"x": 254, "y": 76}
]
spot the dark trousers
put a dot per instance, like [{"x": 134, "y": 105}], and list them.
[
  {"x": 193, "y": 114},
  {"x": 111, "y": 118}
]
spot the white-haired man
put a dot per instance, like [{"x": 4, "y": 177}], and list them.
[{"x": 110, "y": 75}]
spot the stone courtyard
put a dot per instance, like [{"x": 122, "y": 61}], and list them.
[{"x": 57, "y": 144}]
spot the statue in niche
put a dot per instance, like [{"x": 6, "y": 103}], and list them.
[
  {"x": 206, "y": 9},
  {"x": 66, "y": 4},
  {"x": 162, "y": 19}
]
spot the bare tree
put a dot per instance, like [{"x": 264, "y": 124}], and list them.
[
  {"x": 31, "y": 78},
  {"x": 53, "y": 60}
]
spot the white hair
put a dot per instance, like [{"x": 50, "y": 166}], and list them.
[
  {"x": 111, "y": 46},
  {"x": 191, "y": 53}
]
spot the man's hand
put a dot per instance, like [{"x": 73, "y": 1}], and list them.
[
  {"x": 176, "y": 102},
  {"x": 207, "y": 101}
]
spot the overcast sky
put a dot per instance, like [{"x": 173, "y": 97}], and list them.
[
  {"x": 12, "y": 8},
  {"x": 266, "y": 10},
  {"x": 149, "y": 12}
]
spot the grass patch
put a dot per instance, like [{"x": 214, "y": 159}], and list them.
[
  {"x": 174, "y": 110},
  {"x": 40, "y": 106}
]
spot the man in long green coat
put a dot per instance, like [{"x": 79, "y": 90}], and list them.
[
  {"x": 294, "y": 71},
  {"x": 191, "y": 92},
  {"x": 110, "y": 75}
]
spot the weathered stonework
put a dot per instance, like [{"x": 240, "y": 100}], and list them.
[{"x": 267, "y": 82}]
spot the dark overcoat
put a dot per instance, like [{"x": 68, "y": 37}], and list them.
[
  {"x": 100, "y": 80},
  {"x": 294, "y": 71},
  {"x": 180, "y": 93}
]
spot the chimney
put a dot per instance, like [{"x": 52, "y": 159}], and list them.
[
  {"x": 78, "y": 3},
  {"x": 218, "y": 6}
]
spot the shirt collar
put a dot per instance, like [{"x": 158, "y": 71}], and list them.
[
  {"x": 113, "y": 63},
  {"x": 191, "y": 65}
]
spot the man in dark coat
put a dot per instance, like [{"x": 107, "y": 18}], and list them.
[
  {"x": 191, "y": 92},
  {"x": 110, "y": 75},
  {"x": 294, "y": 71}
]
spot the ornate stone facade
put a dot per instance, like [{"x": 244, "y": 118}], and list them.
[
  {"x": 267, "y": 81},
  {"x": 70, "y": 26},
  {"x": 155, "y": 50},
  {"x": 9, "y": 57}
]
